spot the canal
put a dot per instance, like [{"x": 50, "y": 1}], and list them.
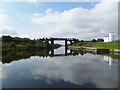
[{"x": 37, "y": 69}]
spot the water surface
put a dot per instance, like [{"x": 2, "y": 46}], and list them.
[{"x": 38, "y": 69}]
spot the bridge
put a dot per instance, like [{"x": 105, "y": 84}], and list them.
[{"x": 71, "y": 40}]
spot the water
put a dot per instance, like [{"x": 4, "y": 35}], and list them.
[{"x": 82, "y": 70}]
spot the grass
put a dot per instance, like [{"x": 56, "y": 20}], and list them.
[{"x": 109, "y": 45}]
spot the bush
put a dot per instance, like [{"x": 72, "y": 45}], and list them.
[{"x": 12, "y": 45}]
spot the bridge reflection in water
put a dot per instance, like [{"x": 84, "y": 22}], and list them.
[
  {"x": 9, "y": 56},
  {"x": 52, "y": 54}
]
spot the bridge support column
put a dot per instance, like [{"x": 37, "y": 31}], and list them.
[
  {"x": 66, "y": 47},
  {"x": 52, "y": 52},
  {"x": 52, "y": 43},
  {"x": 70, "y": 42}
]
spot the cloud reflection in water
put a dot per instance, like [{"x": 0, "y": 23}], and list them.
[{"x": 82, "y": 71}]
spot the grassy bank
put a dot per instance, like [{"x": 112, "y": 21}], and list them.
[{"x": 109, "y": 45}]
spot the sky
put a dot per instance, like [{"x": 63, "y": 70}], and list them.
[{"x": 82, "y": 20}]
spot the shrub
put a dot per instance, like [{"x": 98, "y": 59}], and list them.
[{"x": 12, "y": 45}]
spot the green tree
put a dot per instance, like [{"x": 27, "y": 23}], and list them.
[
  {"x": 12, "y": 45},
  {"x": 94, "y": 40},
  {"x": 7, "y": 39},
  {"x": 100, "y": 40}
]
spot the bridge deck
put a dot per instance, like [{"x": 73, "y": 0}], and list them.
[{"x": 68, "y": 39}]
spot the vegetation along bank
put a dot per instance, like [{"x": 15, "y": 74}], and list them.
[
  {"x": 93, "y": 46},
  {"x": 17, "y": 43}
]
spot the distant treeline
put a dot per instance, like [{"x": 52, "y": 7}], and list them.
[
  {"x": 89, "y": 43},
  {"x": 16, "y": 43},
  {"x": 99, "y": 43}
]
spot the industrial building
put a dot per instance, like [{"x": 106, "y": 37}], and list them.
[{"x": 110, "y": 38}]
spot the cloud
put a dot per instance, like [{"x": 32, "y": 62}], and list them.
[
  {"x": 78, "y": 22},
  {"x": 3, "y": 19},
  {"x": 8, "y": 30},
  {"x": 5, "y": 28}
]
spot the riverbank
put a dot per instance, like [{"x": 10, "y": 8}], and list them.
[
  {"x": 107, "y": 45},
  {"x": 100, "y": 50}
]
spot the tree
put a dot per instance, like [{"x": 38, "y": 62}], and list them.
[
  {"x": 100, "y": 40},
  {"x": 82, "y": 41},
  {"x": 94, "y": 40},
  {"x": 7, "y": 39},
  {"x": 30, "y": 46},
  {"x": 76, "y": 40},
  {"x": 12, "y": 45}
]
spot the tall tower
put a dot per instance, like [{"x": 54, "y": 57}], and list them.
[{"x": 112, "y": 37}]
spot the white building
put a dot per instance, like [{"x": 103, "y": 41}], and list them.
[
  {"x": 110, "y": 38},
  {"x": 106, "y": 39}
]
